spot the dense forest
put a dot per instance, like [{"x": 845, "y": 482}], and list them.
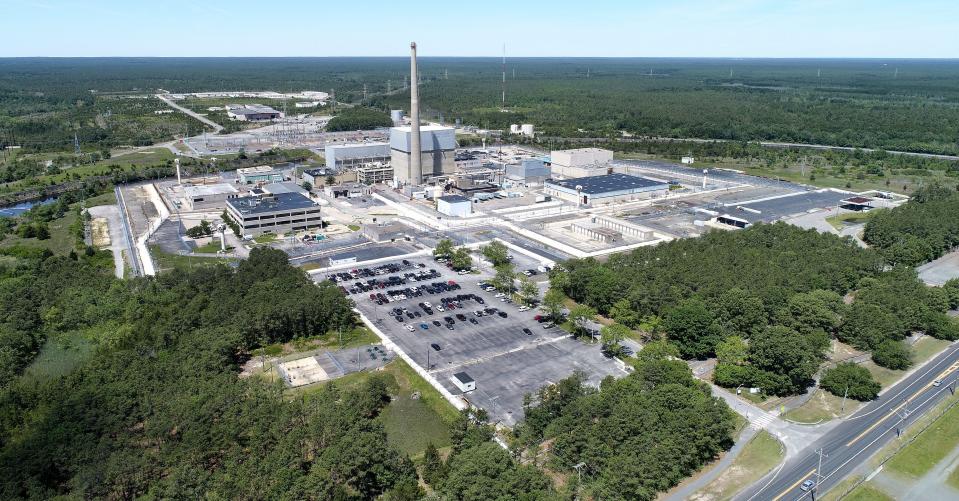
[
  {"x": 359, "y": 118},
  {"x": 154, "y": 407},
  {"x": 635, "y": 437},
  {"x": 902, "y": 104},
  {"x": 765, "y": 301},
  {"x": 921, "y": 230}
]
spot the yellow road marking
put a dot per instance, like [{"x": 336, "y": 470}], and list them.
[
  {"x": 793, "y": 486},
  {"x": 944, "y": 373}
]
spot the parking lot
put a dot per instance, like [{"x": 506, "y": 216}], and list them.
[{"x": 493, "y": 348}]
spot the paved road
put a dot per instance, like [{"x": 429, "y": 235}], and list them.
[
  {"x": 216, "y": 127},
  {"x": 135, "y": 264},
  {"x": 861, "y": 435}
]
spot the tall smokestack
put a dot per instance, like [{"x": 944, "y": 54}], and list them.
[{"x": 416, "y": 154}]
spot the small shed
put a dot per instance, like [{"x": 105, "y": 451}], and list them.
[{"x": 463, "y": 381}]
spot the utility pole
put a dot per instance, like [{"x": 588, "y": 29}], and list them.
[
  {"x": 815, "y": 490},
  {"x": 389, "y": 87},
  {"x": 579, "y": 472},
  {"x": 842, "y": 408},
  {"x": 902, "y": 419}
]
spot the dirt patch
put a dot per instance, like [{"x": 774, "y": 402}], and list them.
[{"x": 100, "y": 232}]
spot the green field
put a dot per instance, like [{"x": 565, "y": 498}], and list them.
[
  {"x": 58, "y": 357},
  {"x": 822, "y": 406},
  {"x": 410, "y": 424},
  {"x": 165, "y": 261},
  {"x": 839, "y": 221},
  {"x": 917, "y": 458},
  {"x": 62, "y": 240},
  {"x": 867, "y": 492}
]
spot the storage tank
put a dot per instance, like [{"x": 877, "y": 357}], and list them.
[
  {"x": 527, "y": 130},
  {"x": 514, "y": 129},
  {"x": 396, "y": 116}
]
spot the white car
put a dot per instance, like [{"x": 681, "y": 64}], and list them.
[
  {"x": 440, "y": 309},
  {"x": 937, "y": 383},
  {"x": 500, "y": 294},
  {"x": 527, "y": 273},
  {"x": 427, "y": 304},
  {"x": 410, "y": 328},
  {"x": 524, "y": 308},
  {"x": 542, "y": 269},
  {"x": 489, "y": 289}
]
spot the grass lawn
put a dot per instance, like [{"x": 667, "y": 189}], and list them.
[
  {"x": 353, "y": 227},
  {"x": 108, "y": 198},
  {"x": 264, "y": 238},
  {"x": 757, "y": 458},
  {"x": 410, "y": 424},
  {"x": 839, "y": 220},
  {"x": 953, "y": 479},
  {"x": 927, "y": 347},
  {"x": 166, "y": 261},
  {"x": 822, "y": 406},
  {"x": 212, "y": 247},
  {"x": 866, "y": 492},
  {"x": 917, "y": 458}
]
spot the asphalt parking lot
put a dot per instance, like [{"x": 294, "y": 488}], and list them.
[{"x": 506, "y": 362}]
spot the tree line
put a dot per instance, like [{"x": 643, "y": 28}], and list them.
[
  {"x": 918, "y": 231},
  {"x": 766, "y": 301}
]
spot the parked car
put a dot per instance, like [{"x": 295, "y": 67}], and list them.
[
  {"x": 409, "y": 328},
  {"x": 527, "y": 331},
  {"x": 435, "y": 346}
]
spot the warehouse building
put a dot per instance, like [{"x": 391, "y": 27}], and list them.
[
  {"x": 580, "y": 162},
  {"x": 437, "y": 146},
  {"x": 278, "y": 213},
  {"x": 259, "y": 174},
  {"x": 208, "y": 195},
  {"x": 454, "y": 205},
  {"x": 341, "y": 157},
  {"x": 252, "y": 112},
  {"x": 529, "y": 171},
  {"x": 604, "y": 189}
]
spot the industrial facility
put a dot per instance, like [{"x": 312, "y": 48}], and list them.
[
  {"x": 252, "y": 112},
  {"x": 605, "y": 189},
  {"x": 341, "y": 157},
  {"x": 259, "y": 174},
  {"x": 580, "y": 162},
  {"x": 437, "y": 147},
  {"x": 274, "y": 213}
]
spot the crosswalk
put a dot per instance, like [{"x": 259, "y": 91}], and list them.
[{"x": 759, "y": 420}]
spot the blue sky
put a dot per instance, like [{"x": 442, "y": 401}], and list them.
[{"x": 615, "y": 28}]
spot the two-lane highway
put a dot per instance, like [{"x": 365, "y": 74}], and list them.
[{"x": 861, "y": 435}]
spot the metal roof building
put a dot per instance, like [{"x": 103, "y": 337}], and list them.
[{"x": 606, "y": 188}]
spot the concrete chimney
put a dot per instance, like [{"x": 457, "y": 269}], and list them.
[{"x": 416, "y": 151}]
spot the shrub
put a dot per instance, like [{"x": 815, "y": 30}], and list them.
[
  {"x": 852, "y": 377},
  {"x": 892, "y": 355}
]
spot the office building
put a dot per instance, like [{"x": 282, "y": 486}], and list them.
[{"x": 278, "y": 213}]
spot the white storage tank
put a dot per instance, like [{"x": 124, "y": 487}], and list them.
[
  {"x": 527, "y": 130},
  {"x": 514, "y": 129},
  {"x": 396, "y": 116}
]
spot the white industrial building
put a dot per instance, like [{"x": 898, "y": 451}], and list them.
[
  {"x": 252, "y": 112},
  {"x": 345, "y": 156},
  {"x": 580, "y": 162},
  {"x": 437, "y": 146},
  {"x": 454, "y": 205},
  {"x": 208, "y": 195},
  {"x": 604, "y": 189}
]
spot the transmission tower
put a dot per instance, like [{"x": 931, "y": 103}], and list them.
[{"x": 76, "y": 144}]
